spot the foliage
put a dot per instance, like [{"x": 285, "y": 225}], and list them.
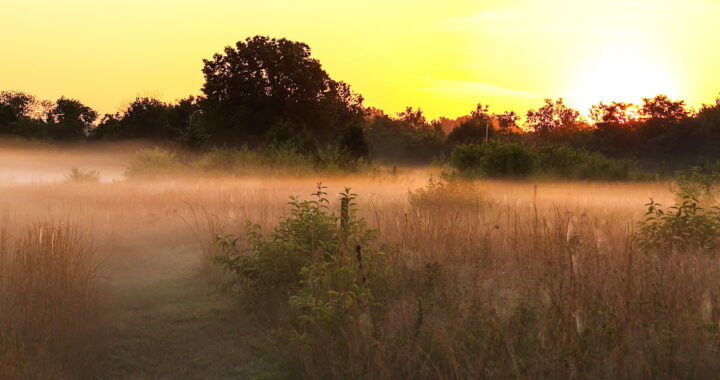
[
  {"x": 447, "y": 192},
  {"x": 318, "y": 265},
  {"x": 153, "y": 163},
  {"x": 70, "y": 120},
  {"x": 262, "y": 81},
  {"x": 494, "y": 159},
  {"x": 565, "y": 162},
  {"x": 685, "y": 225},
  {"x": 553, "y": 116},
  {"x": 77, "y": 175},
  {"x": 515, "y": 160}
]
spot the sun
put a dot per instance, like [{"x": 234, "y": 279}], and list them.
[{"x": 620, "y": 78}]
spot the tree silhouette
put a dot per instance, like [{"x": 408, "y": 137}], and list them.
[
  {"x": 613, "y": 113},
  {"x": 473, "y": 130},
  {"x": 508, "y": 121},
  {"x": 553, "y": 116},
  {"x": 662, "y": 108},
  {"x": 70, "y": 120},
  {"x": 262, "y": 81}
]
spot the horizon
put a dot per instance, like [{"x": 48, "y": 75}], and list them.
[{"x": 434, "y": 57}]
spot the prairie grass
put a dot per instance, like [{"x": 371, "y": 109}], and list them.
[
  {"x": 522, "y": 279},
  {"x": 50, "y": 313}
]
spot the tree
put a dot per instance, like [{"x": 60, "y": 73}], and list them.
[
  {"x": 22, "y": 114},
  {"x": 473, "y": 130},
  {"x": 508, "y": 121},
  {"x": 262, "y": 81},
  {"x": 553, "y": 116},
  {"x": 614, "y": 113},
  {"x": 69, "y": 119},
  {"x": 662, "y": 108},
  {"x": 354, "y": 143},
  {"x": 413, "y": 118}
]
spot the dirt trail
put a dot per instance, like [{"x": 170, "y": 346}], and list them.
[{"x": 170, "y": 322}]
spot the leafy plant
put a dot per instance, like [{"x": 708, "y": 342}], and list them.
[
  {"x": 685, "y": 225},
  {"x": 152, "y": 163},
  {"x": 447, "y": 191},
  {"x": 82, "y": 176}
]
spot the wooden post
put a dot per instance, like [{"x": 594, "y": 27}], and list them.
[{"x": 344, "y": 214}]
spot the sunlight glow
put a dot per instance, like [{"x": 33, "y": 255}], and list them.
[{"x": 622, "y": 79}]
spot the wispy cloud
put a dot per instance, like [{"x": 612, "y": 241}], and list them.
[{"x": 469, "y": 87}]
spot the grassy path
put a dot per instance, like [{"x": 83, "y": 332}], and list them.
[{"x": 169, "y": 322}]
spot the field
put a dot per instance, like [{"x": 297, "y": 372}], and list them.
[{"x": 486, "y": 279}]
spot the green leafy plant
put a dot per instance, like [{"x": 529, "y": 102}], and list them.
[
  {"x": 77, "y": 175},
  {"x": 685, "y": 225},
  {"x": 447, "y": 191},
  {"x": 152, "y": 163}
]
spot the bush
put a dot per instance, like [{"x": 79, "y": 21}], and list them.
[
  {"x": 494, "y": 159},
  {"x": 515, "y": 160},
  {"x": 565, "y": 162},
  {"x": 153, "y": 163},
  {"x": 326, "y": 275},
  {"x": 447, "y": 192},
  {"x": 685, "y": 225},
  {"x": 227, "y": 160},
  {"x": 81, "y": 176}
]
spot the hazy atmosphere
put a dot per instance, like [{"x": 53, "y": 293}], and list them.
[{"x": 378, "y": 190}]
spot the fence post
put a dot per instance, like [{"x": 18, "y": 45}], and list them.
[{"x": 344, "y": 214}]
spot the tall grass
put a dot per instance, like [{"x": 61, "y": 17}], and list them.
[
  {"x": 50, "y": 314},
  {"x": 524, "y": 289}
]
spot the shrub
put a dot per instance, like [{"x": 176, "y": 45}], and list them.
[
  {"x": 326, "y": 274},
  {"x": 494, "y": 159},
  {"x": 513, "y": 160},
  {"x": 81, "y": 176},
  {"x": 446, "y": 192},
  {"x": 227, "y": 160},
  {"x": 152, "y": 163},
  {"x": 565, "y": 162},
  {"x": 685, "y": 225}
]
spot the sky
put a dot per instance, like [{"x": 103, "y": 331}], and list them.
[{"x": 442, "y": 56}]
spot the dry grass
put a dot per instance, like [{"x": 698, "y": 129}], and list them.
[
  {"x": 528, "y": 283},
  {"x": 51, "y": 315}
]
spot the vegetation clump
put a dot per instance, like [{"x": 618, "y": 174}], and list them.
[
  {"x": 77, "y": 175},
  {"x": 692, "y": 223}
]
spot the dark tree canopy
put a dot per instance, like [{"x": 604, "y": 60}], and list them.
[
  {"x": 663, "y": 108},
  {"x": 69, "y": 119},
  {"x": 613, "y": 113},
  {"x": 473, "y": 130},
  {"x": 263, "y": 81},
  {"x": 554, "y": 115}
]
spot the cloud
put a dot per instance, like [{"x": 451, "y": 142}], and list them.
[{"x": 469, "y": 87}]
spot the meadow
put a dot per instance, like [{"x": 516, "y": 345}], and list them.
[{"x": 163, "y": 278}]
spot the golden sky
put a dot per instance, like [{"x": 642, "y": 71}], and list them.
[{"x": 443, "y": 56}]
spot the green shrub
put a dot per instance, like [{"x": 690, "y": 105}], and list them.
[
  {"x": 494, "y": 159},
  {"x": 327, "y": 276},
  {"x": 565, "y": 162},
  {"x": 467, "y": 158},
  {"x": 77, "y": 175},
  {"x": 227, "y": 160},
  {"x": 447, "y": 192},
  {"x": 152, "y": 163},
  {"x": 515, "y": 160},
  {"x": 685, "y": 225}
]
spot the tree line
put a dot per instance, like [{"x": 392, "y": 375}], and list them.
[{"x": 266, "y": 91}]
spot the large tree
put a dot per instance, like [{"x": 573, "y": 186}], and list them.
[
  {"x": 69, "y": 119},
  {"x": 553, "y": 116},
  {"x": 263, "y": 81}
]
